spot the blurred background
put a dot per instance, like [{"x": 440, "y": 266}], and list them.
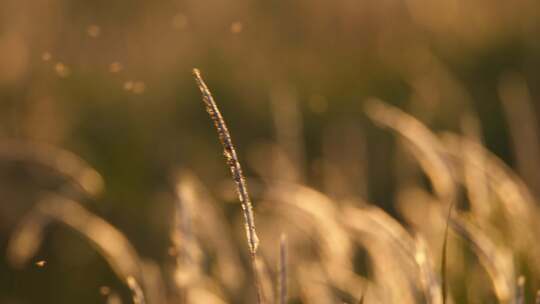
[{"x": 111, "y": 82}]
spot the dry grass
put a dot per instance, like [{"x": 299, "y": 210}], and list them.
[
  {"x": 232, "y": 161},
  {"x": 238, "y": 177},
  {"x": 317, "y": 261}
]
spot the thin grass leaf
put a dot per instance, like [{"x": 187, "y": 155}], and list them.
[
  {"x": 70, "y": 166},
  {"x": 444, "y": 278},
  {"x": 425, "y": 145},
  {"x": 391, "y": 250},
  {"x": 109, "y": 242}
]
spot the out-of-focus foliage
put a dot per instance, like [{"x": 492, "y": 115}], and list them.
[{"x": 112, "y": 181}]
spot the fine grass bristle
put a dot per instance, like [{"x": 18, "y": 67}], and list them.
[{"x": 236, "y": 172}]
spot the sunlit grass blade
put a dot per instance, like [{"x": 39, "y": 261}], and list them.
[
  {"x": 444, "y": 275},
  {"x": 236, "y": 172},
  {"x": 69, "y": 165},
  {"x": 105, "y": 238}
]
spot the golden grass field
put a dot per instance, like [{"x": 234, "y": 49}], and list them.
[{"x": 352, "y": 152}]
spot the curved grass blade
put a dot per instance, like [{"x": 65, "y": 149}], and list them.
[{"x": 236, "y": 172}]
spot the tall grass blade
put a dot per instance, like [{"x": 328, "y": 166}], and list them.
[{"x": 236, "y": 172}]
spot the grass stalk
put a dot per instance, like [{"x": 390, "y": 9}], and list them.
[{"x": 236, "y": 172}]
